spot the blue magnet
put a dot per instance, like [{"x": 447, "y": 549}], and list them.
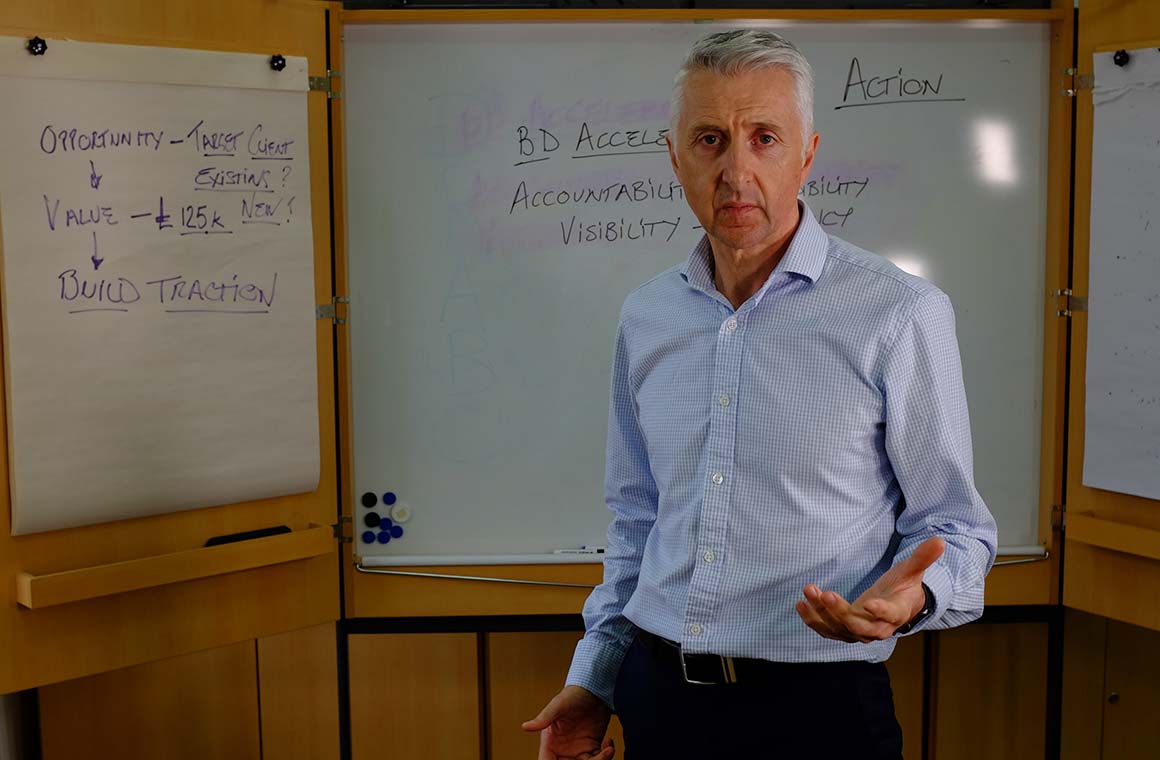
[
  {"x": 369, "y": 500},
  {"x": 386, "y": 523},
  {"x": 397, "y": 531},
  {"x": 368, "y": 536},
  {"x": 372, "y": 520},
  {"x": 389, "y": 498},
  {"x": 385, "y": 537}
]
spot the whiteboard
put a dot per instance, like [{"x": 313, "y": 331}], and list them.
[
  {"x": 1122, "y": 398},
  {"x": 158, "y": 282},
  {"x": 485, "y": 290}
]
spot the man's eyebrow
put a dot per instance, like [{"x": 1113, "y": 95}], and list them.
[
  {"x": 770, "y": 125},
  {"x": 703, "y": 126},
  {"x": 706, "y": 126}
]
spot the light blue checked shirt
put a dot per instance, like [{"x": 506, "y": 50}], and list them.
[{"x": 817, "y": 434}]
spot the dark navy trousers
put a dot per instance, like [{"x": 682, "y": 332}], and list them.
[{"x": 811, "y": 711}]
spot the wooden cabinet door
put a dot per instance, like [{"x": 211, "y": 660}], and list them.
[
  {"x": 197, "y": 705},
  {"x": 415, "y": 695}
]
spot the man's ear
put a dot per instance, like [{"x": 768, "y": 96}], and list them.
[{"x": 808, "y": 163}]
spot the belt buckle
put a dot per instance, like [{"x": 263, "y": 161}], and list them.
[{"x": 728, "y": 672}]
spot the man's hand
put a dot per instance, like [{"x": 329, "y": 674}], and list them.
[
  {"x": 572, "y": 727},
  {"x": 890, "y": 603}
]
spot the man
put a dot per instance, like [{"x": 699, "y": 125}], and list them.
[{"x": 787, "y": 417}]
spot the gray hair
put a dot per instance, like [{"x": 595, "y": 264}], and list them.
[{"x": 742, "y": 50}]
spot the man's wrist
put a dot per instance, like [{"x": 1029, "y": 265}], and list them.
[{"x": 928, "y": 608}]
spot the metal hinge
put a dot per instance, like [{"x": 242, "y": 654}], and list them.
[
  {"x": 1070, "y": 303},
  {"x": 1057, "y": 517},
  {"x": 330, "y": 310},
  {"x": 340, "y": 532},
  {"x": 1078, "y": 82},
  {"x": 326, "y": 84}
]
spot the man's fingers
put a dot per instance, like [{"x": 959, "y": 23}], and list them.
[
  {"x": 850, "y": 620},
  {"x": 826, "y": 613},
  {"x": 840, "y": 617},
  {"x": 811, "y": 611},
  {"x": 544, "y": 719},
  {"x": 538, "y": 723},
  {"x": 546, "y": 752},
  {"x": 811, "y": 618},
  {"x": 924, "y": 556}
]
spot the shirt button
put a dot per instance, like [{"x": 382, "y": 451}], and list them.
[
  {"x": 731, "y": 325},
  {"x": 709, "y": 556},
  {"x": 696, "y": 629},
  {"x": 718, "y": 478},
  {"x": 724, "y": 399}
]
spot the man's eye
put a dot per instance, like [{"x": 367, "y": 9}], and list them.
[
  {"x": 709, "y": 139},
  {"x": 767, "y": 139}
]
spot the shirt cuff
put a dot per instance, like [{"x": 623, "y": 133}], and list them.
[
  {"x": 595, "y": 666},
  {"x": 938, "y": 580}
]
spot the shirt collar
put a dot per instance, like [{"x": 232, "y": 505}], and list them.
[{"x": 805, "y": 256}]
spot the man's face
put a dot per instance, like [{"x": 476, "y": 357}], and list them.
[{"x": 737, "y": 151}]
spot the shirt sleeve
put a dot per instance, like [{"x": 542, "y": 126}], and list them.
[
  {"x": 631, "y": 495},
  {"x": 928, "y": 441}
]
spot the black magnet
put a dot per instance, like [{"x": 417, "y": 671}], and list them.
[
  {"x": 37, "y": 46},
  {"x": 1121, "y": 58},
  {"x": 277, "y": 62}
]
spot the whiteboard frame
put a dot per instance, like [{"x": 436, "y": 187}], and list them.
[{"x": 1036, "y": 583}]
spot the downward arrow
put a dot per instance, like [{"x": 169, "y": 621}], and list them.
[{"x": 96, "y": 261}]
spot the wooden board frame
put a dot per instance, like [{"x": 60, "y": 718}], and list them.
[
  {"x": 65, "y": 641},
  {"x": 1115, "y": 578},
  {"x": 1034, "y": 582}
]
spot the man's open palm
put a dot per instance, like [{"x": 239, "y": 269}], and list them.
[{"x": 893, "y": 600}]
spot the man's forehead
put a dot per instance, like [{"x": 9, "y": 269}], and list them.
[
  {"x": 769, "y": 91},
  {"x": 752, "y": 101}
]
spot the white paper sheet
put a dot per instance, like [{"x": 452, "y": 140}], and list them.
[
  {"x": 1122, "y": 418},
  {"x": 158, "y": 289}
]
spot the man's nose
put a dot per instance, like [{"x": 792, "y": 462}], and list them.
[{"x": 737, "y": 165}]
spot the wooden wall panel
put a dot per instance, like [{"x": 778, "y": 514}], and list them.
[
  {"x": 1131, "y": 702},
  {"x": 298, "y": 694},
  {"x": 1112, "y": 584},
  {"x": 1081, "y": 721},
  {"x": 991, "y": 692},
  {"x": 907, "y": 667},
  {"x": 191, "y": 707},
  {"x": 415, "y": 696}
]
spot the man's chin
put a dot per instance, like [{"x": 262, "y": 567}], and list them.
[{"x": 738, "y": 237}]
